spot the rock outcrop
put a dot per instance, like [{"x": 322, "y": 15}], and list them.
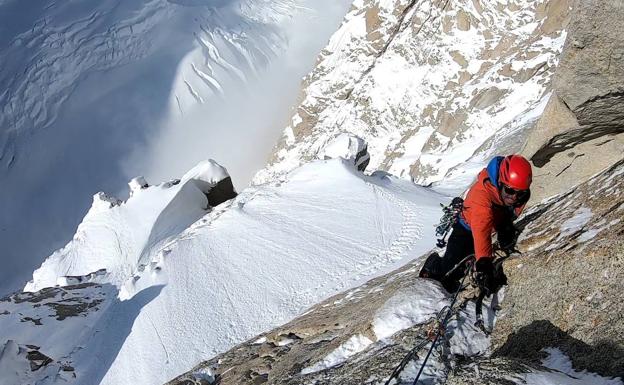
[
  {"x": 213, "y": 180},
  {"x": 350, "y": 148},
  {"x": 582, "y": 129},
  {"x": 40, "y": 316}
]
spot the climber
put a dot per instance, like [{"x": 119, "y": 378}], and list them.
[{"x": 491, "y": 205}]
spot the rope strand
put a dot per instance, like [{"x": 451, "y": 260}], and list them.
[{"x": 447, "y": 311}]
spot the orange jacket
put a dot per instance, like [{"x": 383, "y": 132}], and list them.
[{"x": 484, "y": 211}]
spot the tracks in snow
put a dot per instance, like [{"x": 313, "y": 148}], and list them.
[{"x": 411, "y": 231}]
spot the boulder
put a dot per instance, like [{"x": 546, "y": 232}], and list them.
[
  {"x": 349, "y": 147},
  {"x": 213, "y": 180},
  {"x": 137, "y": 183}
]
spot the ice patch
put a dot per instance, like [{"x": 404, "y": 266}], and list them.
[
  {"x": 591, "y": 233},
  {"x": 260, "y": 341},
  {"x": 578, "y": 220},
  {"x": 285, "y": 341}
]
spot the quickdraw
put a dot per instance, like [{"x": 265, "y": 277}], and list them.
[
  {"x": 480, "y": 293},
  {"x": 449, "y": 218}
]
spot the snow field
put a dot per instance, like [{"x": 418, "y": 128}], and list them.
[{"x": 275, "y": 252}]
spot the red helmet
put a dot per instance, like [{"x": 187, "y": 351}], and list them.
[{"x": 515, "y": 172}]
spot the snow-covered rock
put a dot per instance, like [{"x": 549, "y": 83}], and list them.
[
  {"x": 213, "y": 180},
  {"x": 429, "y": 85},
  {"x": 137, "y": 183},
  {"x": 13, "y": 363},
  {"x": 348, "y": 147}
]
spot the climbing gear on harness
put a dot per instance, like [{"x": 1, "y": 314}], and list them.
[
  {"x": 449, "y": 218},
  {"x": 432, "y": 335}
]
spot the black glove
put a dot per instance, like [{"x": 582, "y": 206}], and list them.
[{"x": 484, "y": 273}]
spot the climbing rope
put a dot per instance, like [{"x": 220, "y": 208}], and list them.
[
  {"x": 439, "y": 327},
  {"x": 433, "y": 333}
]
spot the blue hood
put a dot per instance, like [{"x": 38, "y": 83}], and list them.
[{"x": 492, "y": 169}]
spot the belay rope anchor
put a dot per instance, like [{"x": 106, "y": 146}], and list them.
[{"x": 438, "y": 330}]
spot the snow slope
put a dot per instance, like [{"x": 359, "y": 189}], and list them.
[{"x": 243, "y": 267}]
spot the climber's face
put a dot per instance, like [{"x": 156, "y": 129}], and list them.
[{"x": 511, "y": 196}]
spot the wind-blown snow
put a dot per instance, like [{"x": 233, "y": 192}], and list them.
[{"x": 119, "y": 236}]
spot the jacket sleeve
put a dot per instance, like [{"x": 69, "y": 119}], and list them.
[{"x": 482, "y": 227}]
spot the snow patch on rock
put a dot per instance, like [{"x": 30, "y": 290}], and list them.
[
  {"x": 410, "y": 306},
  {"x": 562, "y": 373},
  {"x": 341, "y": 354}
]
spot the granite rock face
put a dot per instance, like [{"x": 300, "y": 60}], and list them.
[
  {"x": 582, "y": 129},
  {"x": 564, "y": 292},
  {"x": 566, "y": 289}
]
